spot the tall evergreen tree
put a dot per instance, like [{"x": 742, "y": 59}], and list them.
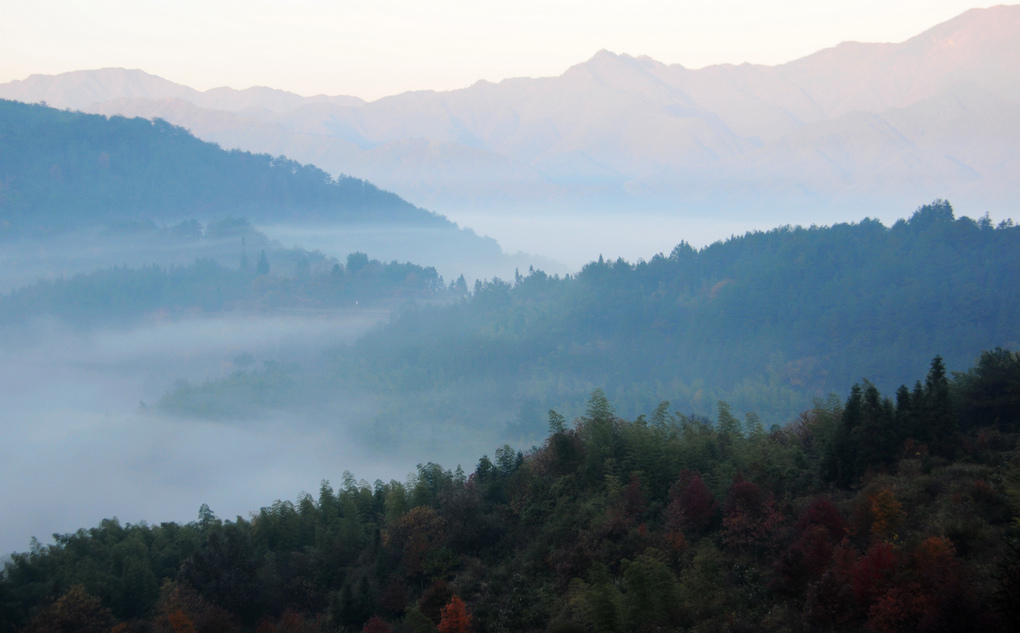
[
  {"x": 840, "y": 462},
  {"x": 878, "y": 433},
  {"x": 938, "y": 410},
  {"x": 262, "y": 267},
  {"x": 904, "y": 413}
]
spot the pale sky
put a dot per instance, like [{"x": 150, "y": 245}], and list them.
[{"x": 374, "y": 48}]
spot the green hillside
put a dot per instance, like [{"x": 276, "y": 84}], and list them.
[
  {"x": 766, "y": 321},
  {"x": 61, "y": 169}
]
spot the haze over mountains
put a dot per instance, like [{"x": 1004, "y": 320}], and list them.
[
  {"x": 101, "y": 188},
  {"x": 193, "y": 319},
  {"x": 858, "y": 129}
]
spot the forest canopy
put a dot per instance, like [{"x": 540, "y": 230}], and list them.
[
  {"x": 766, "y": 321},
  {"x": 665, "y": 522}
]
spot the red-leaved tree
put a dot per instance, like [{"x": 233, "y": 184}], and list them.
[
  {"x": 822, "y": 513},
  {"x": 456, "y": 618},
  {"x": 691, "y": 509},
  {"x": 377, "y": 625},
  {"x": 933, "y": 597},
  {"x": 872, "y": 575},
  {"x": 816, "y": 534},
  {"x": 831, "y": 600},
  {"x": 750, "y": 517}
]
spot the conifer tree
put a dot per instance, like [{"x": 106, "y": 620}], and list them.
[
  {"x": 840, "y": 460},
  {"x": 938, "y": 411},
  {"x": 262, "y": 267}
]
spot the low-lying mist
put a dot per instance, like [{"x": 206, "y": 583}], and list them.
[
  {"x": 576, "y": 237},
  {"x": 424, "y": 246},
  {"x": 578, "y": 233},
  {"x": 82, "y": 441}
]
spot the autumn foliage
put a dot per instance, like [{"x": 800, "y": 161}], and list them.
[
  {"x": 931, "y": 596},
  {"x": 751, "y": 518},
  {"x": 456, "y": 618},
  {"x": 377, "y": 625},
  {"x": 621, "y": 533},
  {"x": 886, "y": 514},
  {"x": 74, "y": 612},
  {"x": 420, "y": 532}
]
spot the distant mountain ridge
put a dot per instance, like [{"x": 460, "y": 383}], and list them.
[
  {"x": 856, "y": 125},
  {"x": 66, "y": 171},
  {"x": 69, "y": 168},
  {"x": 83, "y": 88}
]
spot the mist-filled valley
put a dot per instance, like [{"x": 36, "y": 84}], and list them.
[
  {"x": 83, "y": 445},
  {"x": 376, "y": 367},
  {"x": 766, "y": 322},
  {"x": 633, "y": 348}
]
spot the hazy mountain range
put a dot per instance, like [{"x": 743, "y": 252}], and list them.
[
  {"x": 89, "y": 187},
  {"x": 871, "y": 127}
]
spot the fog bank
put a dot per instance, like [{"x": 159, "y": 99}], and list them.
[{"x": 79, "y": 445}]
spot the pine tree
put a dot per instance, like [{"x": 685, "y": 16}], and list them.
[
  {"x": 262, "y": 267},
  {"x": 904, "y": 415},
  {"x": 938, "y": 410},
  {"x": 878, "y": 437},
  {"x": 841, "y": 457}
]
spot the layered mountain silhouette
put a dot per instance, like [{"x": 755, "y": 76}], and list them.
[
  {"x": 64, "y": 172},
  {"x": 872, "y": 127}
]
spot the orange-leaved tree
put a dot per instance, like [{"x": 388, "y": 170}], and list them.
[
  {"x": 377, "y": 625},
  {"x": 887, "y": 514},
  {"x": 74, "y": 612},
  {"x": 456, "y": 618}
]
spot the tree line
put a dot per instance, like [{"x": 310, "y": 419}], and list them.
[
  {"x": 766, "y": 321},
  {"x": 309, "y": 280},
  {"x": 859, "y": 514}
]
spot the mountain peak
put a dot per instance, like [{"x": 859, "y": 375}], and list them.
[
  {"x": 604, "y": 53},
  {"x": 83, "y": 88}
]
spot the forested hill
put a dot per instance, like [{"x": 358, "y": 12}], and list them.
[
  {"x": 863, "y": 516},
  {"x": 62, "y": 169},
  {"x": 766, "y": 320}
]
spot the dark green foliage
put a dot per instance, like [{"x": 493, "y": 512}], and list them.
[
  {"x": 225, "y": 571},
  {"x": 1007, "y": 577},
  {"x": 355, "y": 605},
  {"x": 872, "y": 433},
  {"x": 841, "y": 458},
  {"x": 651, "y": 592},
  {"x": 416, "y": 622},
  {"x": 879, "y": 439},
  {"x": 611, "y": 525},
  {"x": 766, "y": 321},
  {"x": 990, "y": 392},
  {"x": 937, "y": 411}
]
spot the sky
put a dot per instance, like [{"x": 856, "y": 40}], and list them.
[{"x": 375, "y": 48}]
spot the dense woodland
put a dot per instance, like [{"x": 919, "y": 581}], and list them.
[
  {"x": 766, "y": 321},
  {"x": 882, "y": 509},
  {"x": 61, "y": 170},
  {"x": 124, "y": 296},
  {"x": 880, "y": 512},
  {"x": 822, "y": 305}
]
